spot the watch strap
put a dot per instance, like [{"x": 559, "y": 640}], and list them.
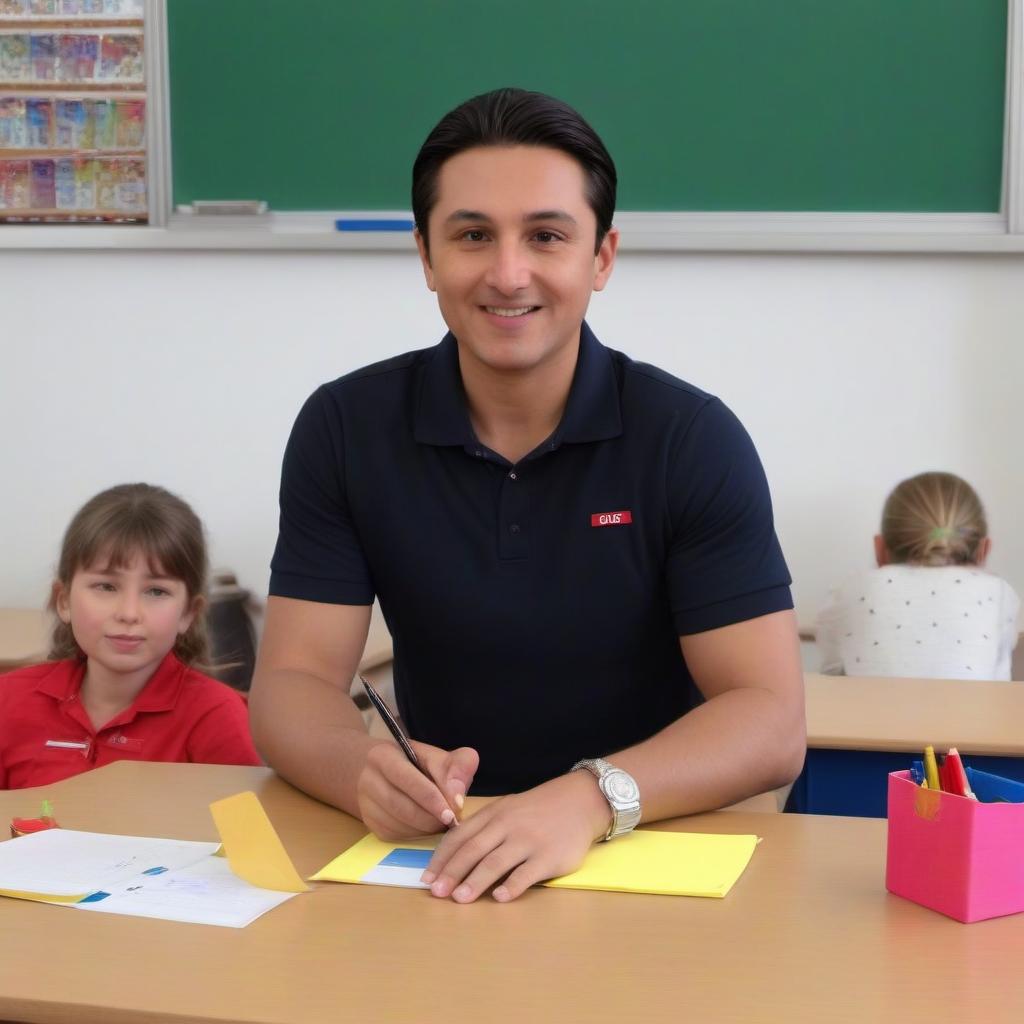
[{"x": 625, "y": 814}]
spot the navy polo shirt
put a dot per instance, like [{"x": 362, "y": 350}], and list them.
[{"x": 535, "y": 608}]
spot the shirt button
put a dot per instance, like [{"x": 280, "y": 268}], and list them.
[
  {"x": 479, "y": 453},
  {"x": 514, "y": 528},
  {"x": 512, "y": 476}
]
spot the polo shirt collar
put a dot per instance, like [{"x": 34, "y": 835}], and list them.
[
  {"x": 161, "y": 693},
  {"x": 592, "y": 412},
  {"x": 441, "y": 416}
]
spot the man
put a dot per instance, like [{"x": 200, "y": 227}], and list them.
[{"x": 574, "y": 552}]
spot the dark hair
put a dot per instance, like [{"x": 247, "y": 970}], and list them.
[
  {"x": 125, "y": 520},
  {"x": 515, "y": 117},
  {"x": 934, "y": 519}
]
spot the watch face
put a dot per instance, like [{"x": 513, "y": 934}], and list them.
[{"x": 621, "y": 787}]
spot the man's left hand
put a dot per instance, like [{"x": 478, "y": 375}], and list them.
[{"x": 529, "y": 837}]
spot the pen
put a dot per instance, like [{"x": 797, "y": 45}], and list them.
[{"x": 396, "y": 730}]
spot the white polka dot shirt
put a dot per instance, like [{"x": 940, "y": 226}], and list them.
[{"x": 941, "y": 622}]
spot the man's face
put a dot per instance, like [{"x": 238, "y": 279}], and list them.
[{"x": 512, "y": 256}]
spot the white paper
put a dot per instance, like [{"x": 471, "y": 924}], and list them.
[
  {"x": 169, "y": 879},
  {"x": 203, "y": 893},
  {"x": 405, "y": 878},
  {"x": 63, "y": 862}
]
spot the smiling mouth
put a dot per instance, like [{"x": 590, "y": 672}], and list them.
[
  {"x": 125, "y": 639},
  {"x": 511, "y": 311}
]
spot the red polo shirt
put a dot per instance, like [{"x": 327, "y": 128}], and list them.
[{"x": 180, "y": 715}]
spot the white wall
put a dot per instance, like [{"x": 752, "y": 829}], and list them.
[{"x": 851, "y": 372}]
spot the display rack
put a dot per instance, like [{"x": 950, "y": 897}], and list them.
[{"x": 73, "y": 110}]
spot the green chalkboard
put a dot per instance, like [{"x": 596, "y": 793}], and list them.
[{"x": 845, "y": 105}]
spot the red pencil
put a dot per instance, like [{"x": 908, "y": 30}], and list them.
[{"x": 958, "y": 775}]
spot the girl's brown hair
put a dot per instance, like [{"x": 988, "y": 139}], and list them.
[
  {"x": 130, "y": 519},
  {"x": 934, "y": 519}
]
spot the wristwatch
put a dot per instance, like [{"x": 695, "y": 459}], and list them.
[{"x": 621, "y": 792}]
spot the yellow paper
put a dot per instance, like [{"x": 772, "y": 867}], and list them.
[
  {"x": 365, "y": 855},
  {"x": 668, "y": 863},
  {"x": 252, "y": 846},
  {"x": 42, "y": 897}
]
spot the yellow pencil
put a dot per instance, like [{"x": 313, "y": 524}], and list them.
[{"x": 931, "y": 769}]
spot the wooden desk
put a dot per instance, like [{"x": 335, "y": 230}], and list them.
[
  {"x": 848, "y": 713},
  {"x": 860, "y": 729},
  {"x": 808, "y": 934},
  {"x": 24, "y": 637}
]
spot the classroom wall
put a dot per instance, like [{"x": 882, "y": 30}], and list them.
[{"x": 850, "y": 371}]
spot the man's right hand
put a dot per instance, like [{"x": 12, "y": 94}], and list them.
[{"x": 397, "y": 801}]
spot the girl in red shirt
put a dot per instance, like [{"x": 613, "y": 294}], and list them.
[{"x": 129, "y": 600}]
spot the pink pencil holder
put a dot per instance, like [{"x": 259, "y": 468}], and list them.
[{"x": 960, "y": 857}]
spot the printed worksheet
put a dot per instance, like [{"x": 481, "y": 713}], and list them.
[{"x": 203, "y": 893}]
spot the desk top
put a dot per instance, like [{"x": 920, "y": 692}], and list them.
[
  {"x": 976, "y": 717},
  {"x": 808, "y": 931},
  {"x": 24, "y": 637}
]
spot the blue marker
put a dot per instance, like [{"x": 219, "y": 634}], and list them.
[{"x": 374, "y": 224}]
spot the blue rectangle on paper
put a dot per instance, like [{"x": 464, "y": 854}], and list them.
[
  {"x": 407, "y": 859},
  {"x": 94, "y": 897}
]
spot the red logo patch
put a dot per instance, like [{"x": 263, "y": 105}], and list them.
[{"x": 611, "y": 518}]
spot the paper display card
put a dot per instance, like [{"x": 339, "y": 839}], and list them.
[
  {"x": 72, "y": 124},
  {"x": 42, "y": 188},
  {"x": 130, "y": 121},
  {"x": 103, "y": 116},
  {"x": 665, "y": 863},
  {"x": 41, "y": 122},
  {"x": 13, "y": 126},
  {"x": 71, "y": 57},
  {"x": 112, "y": 185},
  {"x": 72, "y": 8},
  {"x": 14, "y": 62},
  {"x": 43, "y": 57},
  {"x": 14, "y": 191},
  {"x": 120, "y": 59},
  {"x": 76, "y": 57},
  {"x": 39, "y": 118}
]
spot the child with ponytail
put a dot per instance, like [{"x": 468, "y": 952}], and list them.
[{"x": 929, "y": 610}]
